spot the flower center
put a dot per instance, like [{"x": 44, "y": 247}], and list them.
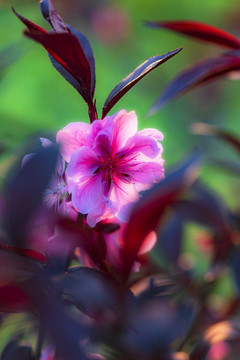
[
  {"x": 56, "y": 193},
  {"x": 113, "y": 169}
]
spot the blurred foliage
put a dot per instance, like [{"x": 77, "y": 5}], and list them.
[{"x": 34, "y": 98}]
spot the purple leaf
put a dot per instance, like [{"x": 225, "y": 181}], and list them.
[
  {"x": 101, "y": 295},
  {"x": 233, "y": 167},
  {"x": 206, "y": 208},
  {"x": 29, "y": 24},
  {"x": 154, "y": 326},
  {"x": 52, "y": 17},
  {"x": 209, "y": 130},
  {"x": 14, "y": 351},
  {"x": 66, "y": 331},
  {"x": 148, "y": 212},
  {"x": 200, "y": 31},
  {"x": 235, "y": 267},
  {"x": 195, "y": 75},
  {"x": 126, "y": 84},
  {"x": 170, "y": 239},
  {"x": 25, "y": 191}
]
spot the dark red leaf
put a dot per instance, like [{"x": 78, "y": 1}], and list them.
[
  {"x": 29, "y": 253},
  {"x": 52, "y": 17},
  {"x": 13, "y": 298},
  {"x": 209, "y": 130},
  {"x": 200, "y": 31},
  {"x": 65, "y": 49},
  {"x": 148, "y": 211},
  {"x": 29, "y": 24},
  {"x": 71, "y": 51},
  {"x": 195, "y": 75},
  {"x": 85, "y": 44},
  {"x": 88, "y": 239},
  {"x": 126, "y": 84}
]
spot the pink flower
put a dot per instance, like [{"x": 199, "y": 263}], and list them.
[
  {"x": 56, "y": 195},
  {"x": 110, "y": 162}
]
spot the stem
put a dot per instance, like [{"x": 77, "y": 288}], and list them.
[{"x": 92, "y": 111}]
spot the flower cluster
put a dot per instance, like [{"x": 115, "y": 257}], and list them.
[{"x": 108, "y": 163}]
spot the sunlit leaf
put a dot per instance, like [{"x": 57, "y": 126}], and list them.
[{"x": 126, "y": 84}]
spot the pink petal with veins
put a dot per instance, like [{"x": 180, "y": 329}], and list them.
[
  {"x": 72, "y": 137},
  {"x": 85, "y": 195}
]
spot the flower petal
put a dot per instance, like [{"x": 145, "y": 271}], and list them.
[
  {"x": 125, "y": 126},
  {"x": 72, "y": 137},
  {"x": 124, "y": 195},
  {"x": 85, "y": 195},
  {"x": 153, "y": 133},
  {"x": 102, "y": 144},
  {"x": 103, "y": 209},
  {"x": 148, "y": 173},
  {"x": 141, "y": 144},
  {"x": 82, "y": 166}
]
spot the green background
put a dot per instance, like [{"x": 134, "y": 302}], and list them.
[{"x": 35, "y": 98}]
